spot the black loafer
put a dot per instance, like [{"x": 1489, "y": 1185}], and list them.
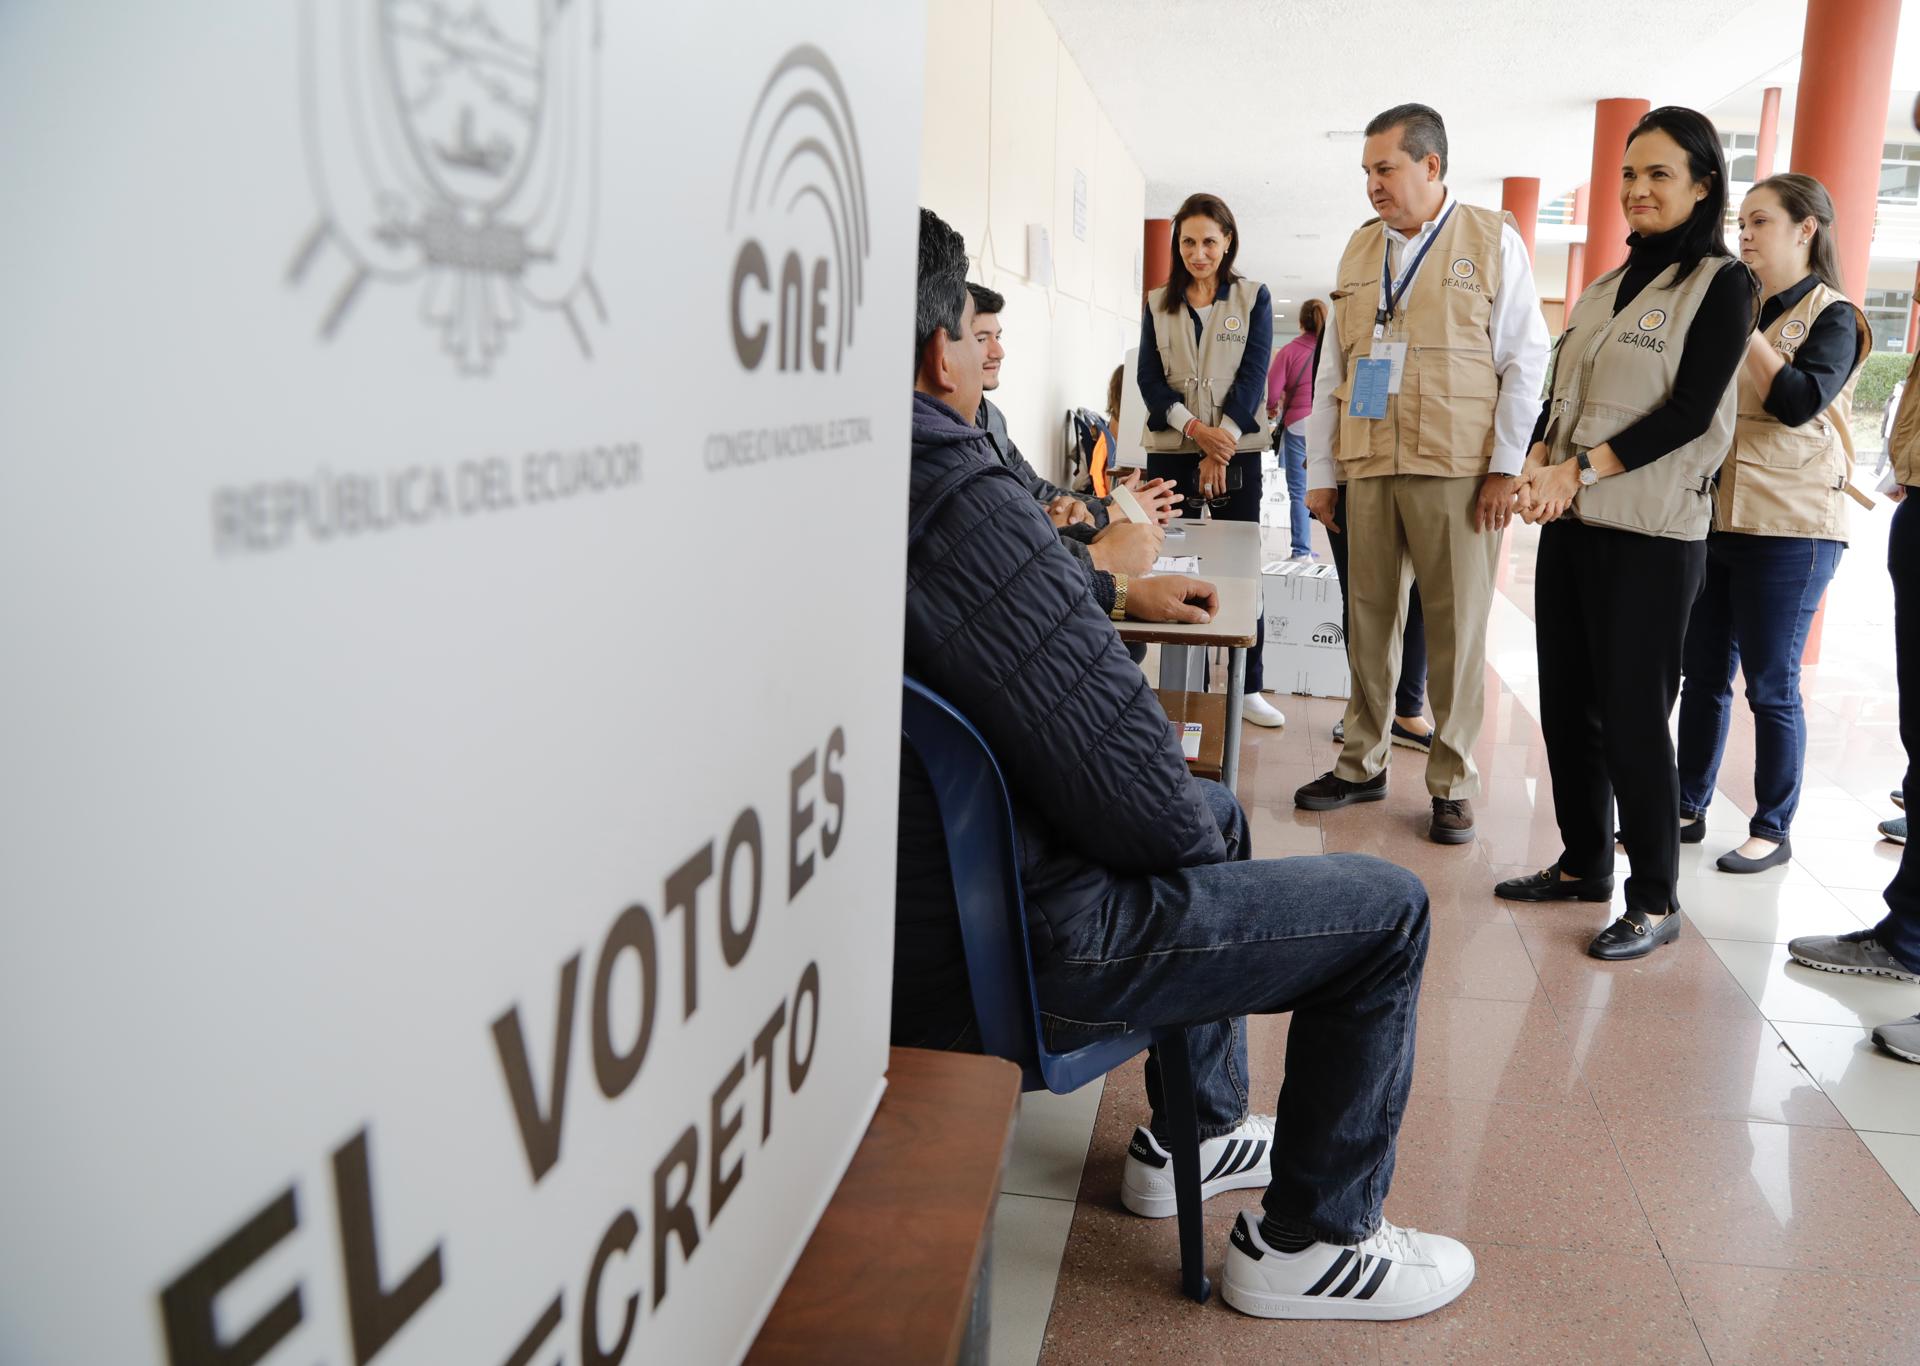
[
  {"x": 1330, "y": 792},
  {"x": 1632, "y": 937},
  {"x": 1733, "y": 862},
  {"x": 1548, "y": 885}
]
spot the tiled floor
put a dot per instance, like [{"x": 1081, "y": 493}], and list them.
[{"x": 1697, "y": 1157}]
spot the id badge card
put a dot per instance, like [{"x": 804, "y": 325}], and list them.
[
  {"x": 1370, "y": 379},
  {"x": 1395, "y": 354}
]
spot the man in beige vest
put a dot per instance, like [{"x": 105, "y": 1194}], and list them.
[{"x": 1429, "y": 384}]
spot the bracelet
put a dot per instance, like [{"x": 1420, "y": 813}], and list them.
[
  {"x": 1192, "y": 422},
  {"x": 1119, "y": 612}
]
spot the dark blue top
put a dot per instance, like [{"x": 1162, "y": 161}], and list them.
[{"x": 1249, "y": 390}]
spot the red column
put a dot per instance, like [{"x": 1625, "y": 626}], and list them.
[
  {"x": 1156, "y": 253},
  {"x": 1576, "y": 254},
  {"x": 1769, "y": 134},
  {"x": 1606, "y": 220},
  {"x": 1839, "y": 123},
  {"x": 1520, "y": 196}
]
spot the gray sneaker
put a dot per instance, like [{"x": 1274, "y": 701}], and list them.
[
  {"x": 1858, "y": 953},
  {"x": 1901, "y": 1038}
]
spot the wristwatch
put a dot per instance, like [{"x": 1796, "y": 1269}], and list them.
[
  {"x": 1588, "y": 475},
  {"x": 1119, "y": 612}
]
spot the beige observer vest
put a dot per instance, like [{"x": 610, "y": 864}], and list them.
[
  {"x": 1612, "y": 369},
  {"x": 1204, "y": 378},
  {"x": 1904, "y": 440},
  {"x": 1441, "y": 421},
  {"x": 1791, "y": 481}
]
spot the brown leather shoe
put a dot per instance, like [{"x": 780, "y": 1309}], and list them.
[
  {"x": 1452, "y": 821},
  {"x": 1330, "y": 792}
]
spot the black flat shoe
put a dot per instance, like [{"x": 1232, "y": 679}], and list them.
[
  {"x": 1732, "y": 862},
  {"x": 1691, "y": 832},
  {"x": 1548, "y": 885},
  {"x": 1631, "y": 936}
]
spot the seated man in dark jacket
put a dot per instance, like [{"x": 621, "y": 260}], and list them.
[{"x": 1144, "y": 906}]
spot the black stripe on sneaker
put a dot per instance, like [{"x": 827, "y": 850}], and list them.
[
  {"x": 1379, "y": 1275},
  {"x": 1225, "y": 1158},
  {"x": 1254, "y": 1155},
  {"x": 1353, "y": 1278},
  {"x": 1339, "y": 1264}
]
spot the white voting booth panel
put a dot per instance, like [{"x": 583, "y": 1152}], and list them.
[
  {"x": 448, "y": 881},
  {"x": 1305, "y": 651}
]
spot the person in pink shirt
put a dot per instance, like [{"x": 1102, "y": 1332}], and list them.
[{"x": 1289, "y": 399}]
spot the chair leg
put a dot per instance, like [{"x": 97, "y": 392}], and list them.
[{"x": 1183, "y": 1132}]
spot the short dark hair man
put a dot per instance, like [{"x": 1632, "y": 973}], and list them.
[
  {"x": 1107, "y": 547},
  {"x": 1144, "y": 908}
]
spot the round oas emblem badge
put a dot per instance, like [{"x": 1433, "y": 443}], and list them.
[
  {"x": 1463, "y": 269},
  {"x": 1653, "y": 319},
  {"x": 1793, "y": 331},
  {"x": 1232, "y": 324}
]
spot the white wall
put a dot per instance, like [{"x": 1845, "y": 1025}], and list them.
[{"x": 1009, "y": 119}]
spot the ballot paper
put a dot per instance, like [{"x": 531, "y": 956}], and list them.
[
  {"x": 1129, "y": 505},
  {"x": 1177, "y": 564},
  {"x": 1190, "y": 740}
]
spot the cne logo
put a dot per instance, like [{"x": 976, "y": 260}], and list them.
[
  {"x": 801, "y": 191},
  {"x": 1793, "y": 331},
  {"x": 1329, "y": 633},
  {"x": 1653, "y": 319},
  {"x": 452, "y": 150},
  {"x": 1463, "y": 269}
]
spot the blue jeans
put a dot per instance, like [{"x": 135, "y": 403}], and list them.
[
  {"x": 1293, "y": 459},
  {"x": 1899, "y": 933},
  {"x": 1338, "y": 939},
  {"x": 1754, "y": 611}
]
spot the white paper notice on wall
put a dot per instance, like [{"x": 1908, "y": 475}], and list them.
[{"x": 390, "y": 974}]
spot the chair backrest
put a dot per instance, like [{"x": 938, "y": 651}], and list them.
[{"x": 976, "y": 816}]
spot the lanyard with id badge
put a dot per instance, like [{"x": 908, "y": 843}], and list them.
[{"x": 1378, "y": 376}]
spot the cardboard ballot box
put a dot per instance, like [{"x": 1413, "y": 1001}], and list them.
[{"x": 1305, "y": 651}]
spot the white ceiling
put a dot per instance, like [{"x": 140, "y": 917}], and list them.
[{"x": 1238, "y": 96}]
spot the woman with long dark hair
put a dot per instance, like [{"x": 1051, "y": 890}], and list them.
[
  {"x": 1780, "y": 516},
  {"x": 1205, "y": 342},
  {"x": 1640, "y": 414}
]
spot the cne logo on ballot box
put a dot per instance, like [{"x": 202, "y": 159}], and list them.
[{"x": 1306, "y": 647}]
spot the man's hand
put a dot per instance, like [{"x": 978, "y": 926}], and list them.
[
  {"x": 1159, "y": 499},
  {"x": 1128, "y": 548},
  {"x": 1322, "y": 503},
  {"x": 1172, "y": 597},
  {"x": 1897, "y": 494},
  {"x": 1066, "y": 511},
  {"x": 1494, "y": 508}
]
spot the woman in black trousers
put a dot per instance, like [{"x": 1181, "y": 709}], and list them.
[
  {"x": 1641, "y": 414},
  {"x": 1206, "y": 340}
]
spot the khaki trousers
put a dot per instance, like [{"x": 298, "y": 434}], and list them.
[{"x": 1402, "y": 527}]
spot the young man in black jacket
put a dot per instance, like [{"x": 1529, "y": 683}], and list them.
[{"x": 1144, "y": 906}]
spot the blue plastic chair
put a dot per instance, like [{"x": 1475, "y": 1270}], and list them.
[{"x": 977, "y": 819}]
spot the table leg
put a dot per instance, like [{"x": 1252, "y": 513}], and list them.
[{"x": 1236, "y": 680}]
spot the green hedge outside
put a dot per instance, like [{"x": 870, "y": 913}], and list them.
[{"x": 1883, "y": 370}]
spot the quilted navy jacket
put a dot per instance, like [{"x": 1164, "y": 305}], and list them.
[{"x": 1000, "y": 622}]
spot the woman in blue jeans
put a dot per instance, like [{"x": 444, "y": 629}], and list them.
[{"x": 1779, "y": 517}]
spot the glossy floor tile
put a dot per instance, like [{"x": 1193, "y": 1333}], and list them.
[
  {"x": 1900, "y": 1155},
  {"x": 1750, "y": 1313},
  {"x": 1789, "y": 991},
  {"x": 1872, "y": 1088}
]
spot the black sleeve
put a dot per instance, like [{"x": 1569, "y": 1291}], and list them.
[
  {"x": 1715, "y": 342},
  {"x": 1151, "y": 376},
  {"x": 1101, "y": 583},
  {"x": 1811, "y": 381},
  {"x": 1540, "y": 424}
]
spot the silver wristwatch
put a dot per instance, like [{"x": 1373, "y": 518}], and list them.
[{"x": 1588, "y": 476}]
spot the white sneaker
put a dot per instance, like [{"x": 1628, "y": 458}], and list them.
[
  {"x": 1398, "y": 1273},
  {"x": 1231, "y": 1162},
  {"x": 1261, "y": 712}
]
